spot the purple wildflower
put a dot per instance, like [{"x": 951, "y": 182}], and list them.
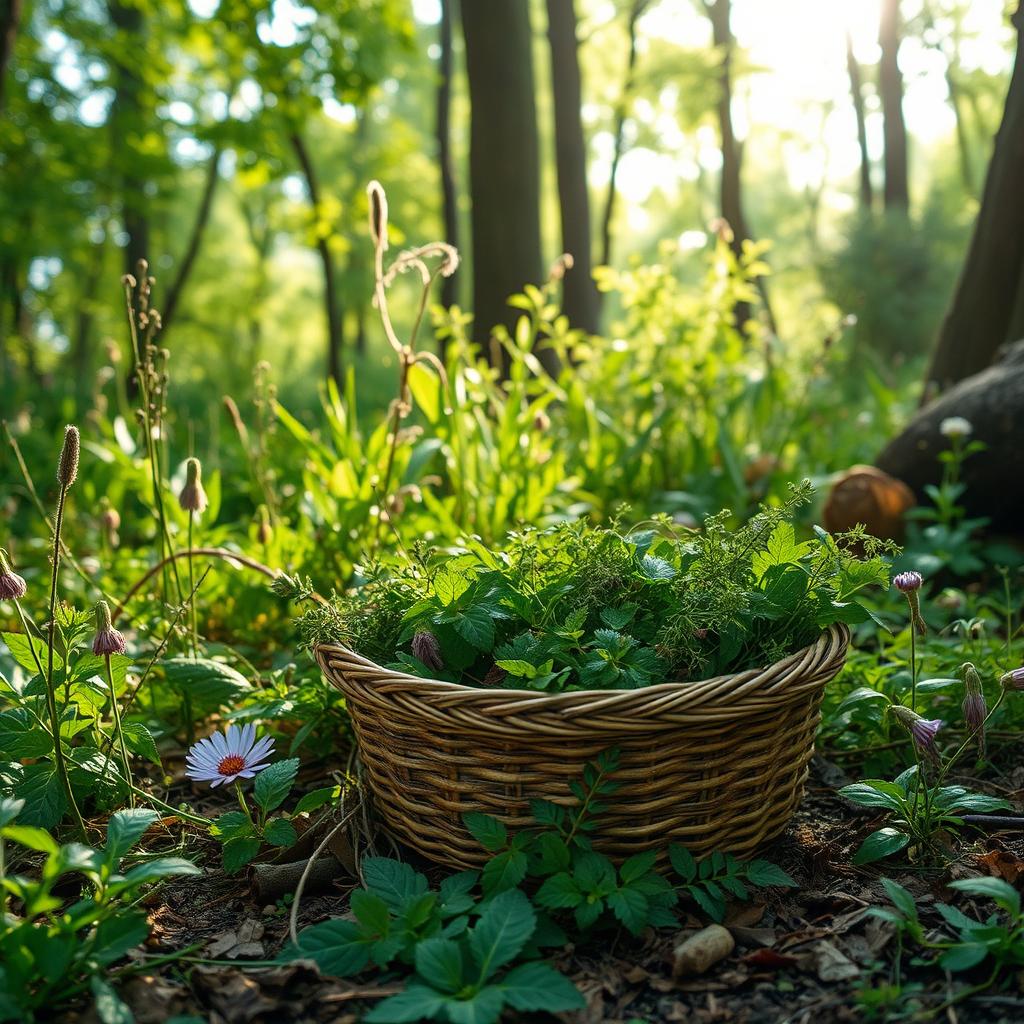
[
  {"x": 108, "y": 640},
  {"x": 428, "y": 650},
  {"x": 1013, "y": 680},
  {"x": 908, "y": 581},
  {"x": 12, "y": 586},
  {"x": 922, "y": 730}
]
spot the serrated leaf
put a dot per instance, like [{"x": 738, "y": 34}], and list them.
[
  {"x": 504, "y": 871},
  {"x": 139, "y": 740},
  {"x": 505, "y": 925},
  {"x": 683, "y": 862},
  {"x": 209, "y": 684},
  {"x": 558, "y": 892},
  {"x": 125, "y": 829},
  {"x": 336, "y": 947},
  {"x": 488, "y": 831},
  {"x": 110, "y": 1008},
  {"x": 280, "y": 832},
  {"x": 764, "y": 873},
  {"x": 316, "y": 799},
  {"x": 392, "y": 880},
  {"x": 630, "y": 907},
  {"x": 538, "y": 986},
  {"x": 239, "y": 852},
  {"x": 439, "y": 962},
  {"x": 274, "y": 783},
  {"x": 476, "y": 627}
]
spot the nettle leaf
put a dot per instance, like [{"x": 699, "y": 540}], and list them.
[
  {"x": 21, "y": 650},
  {"x": 209, "y": 684},
  {"x": 618, "y": 618},
  {"x": 439, "y": 962},
  {"x": 125, "y": 829},
  {"x": 231, "y": 825},
  {"x": 40, "y": 788},
  {"x": 630, "y": 907},
  {"x": 417, "y": 1002},
  {"x": 505, "y": 871},
  {"x": 505, "y": 925},
  {"x": 781, "y": 549},
  {"x": 139, "y": 740},
  {"x": 21, "y": 736},
  {"x": 274, "y": 783},
  {"x": 476, "y": 626},
  {"x": 455, "y": 893},
  {"x": 654, "y": 568},
  {"x": 537, "y": 986},
  {"x": 239, "y": 852},
  {"x": 488, "y": 831},
  {"x": 683, "y": 861},
  {"x": 764, "y": 873},
  {"x": 394, "y": 881},
  {"x": 316, "y": 799},
  {"x": 336, "y": 947},
  {"x": 280, "y": 832},
  {"x": 559, "y": 891}
]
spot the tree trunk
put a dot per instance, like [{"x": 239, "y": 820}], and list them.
[
  {"x": 449, "y": 285},
  {"x": 857, "y": 95},
  {"x": 195, "y": 240},
  {"x": 332, "y": 303},
  {"x": 635, "y": 12},
  {"x": 10, "y": 16},
  {"x": 503, "y": 163},
  {"x": 126, "y": 119},
  {"x": 84, "y": 318},
  {"x": 580, "y": 300},
  {"x": 890, "y": 85},
  {"x": 982, "y": 311}
]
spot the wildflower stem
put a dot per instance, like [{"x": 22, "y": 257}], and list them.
[
  {"x": 913, "y": 664},
  {"x": 192, "y": 587},
  {"x": 51, "y": 697},
  {"x": 196, "y": 819},
  {"x": 118, "y": 728},
  {"x": 243, "y": 804}
]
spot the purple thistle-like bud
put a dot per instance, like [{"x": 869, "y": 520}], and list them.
[
  {"x": 922, "y": 730},
  {"x": 1013, "y": 680},
  {"x": 67, "y": 467},
  {"x": 496, "y": 675},
  {"x": 428, "y": 650},
  {"x": 192, "y": 497},
  {"x": 108, "y": 640},
  {"x": 12, "y": 586},
  {"x": 908, "y": 582}
]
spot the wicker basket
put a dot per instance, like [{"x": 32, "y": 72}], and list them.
[{"x": 715, "y": 765}]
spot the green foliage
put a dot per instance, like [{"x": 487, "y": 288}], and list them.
[
  {"x": 574, "y": 607},
  {"x": 54, "y": 949}
]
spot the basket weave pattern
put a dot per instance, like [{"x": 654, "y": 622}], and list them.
[{"x": 715, "y": 765}]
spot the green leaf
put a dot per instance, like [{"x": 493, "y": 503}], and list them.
[
  {"x": 18, "y": 644},
  {"x": 559, "y": 891},
  {"x": 154, "y": 870},
  {"x": 40, "y": 788},
  {"x": 280, "y": 832},
  {"x": 875, "y": 793},
  {"x": 537, "y": 986},
  {"x": 476, "y": 626},
  {"x": 995, "y": 889},
  {"x": 232, "y": 825},
  {"x": 713, "y": 905},
  {"x": 209, "y": 684},
  {"x": 125, "y": 829},
  {"x": 439, "y": 962},
  {"x": 482, "y": 1008},
  {"x": 417, "y": 1002},
  {"x": 392, "y": 880},
  {"x": 336, "y": 947},
  {"x": 683, "y": 862},
  {"x": 239, "y": 852},
  {"x": 638, "y": 865},
  {"x": 116, "y": 935},
  {"x": 901, "y": 898},
  {"x": 22, "y": 737},
  {"x": 764, "y": 873},
  {"x": 630, "y": 907},
  {"x": 489, "y": 832},
  {"x": 505, "y": 871},
  {"x": 139, "y": 740},
  {"x": 455, "y": 892},
  {"x": 504, "y": 927},
  {"x": 862, "y": 695},
  {"x": 9, "y": 809},
  {"x": 109, "y": 1007},
  {"x": 274, "y": 783},
  {"x": 316, "y": 799},
  {"x": 883, "y": 843},
  {"x": 964, "y": 956},
  {"x": 370, "y": 911}
]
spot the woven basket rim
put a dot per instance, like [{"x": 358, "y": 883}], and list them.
[{"x": 835, "y": 635}]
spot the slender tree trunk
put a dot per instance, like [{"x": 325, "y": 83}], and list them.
[
  {"x": 188, "y": 259},
  {"x": 867, "y": 197},
  {"x": 449, "y": 285},
  {"x": 332, "y": 301},
  {"x": 982, "y": 312},
  {"x": 963, "y": 144},
  {"x": 81, "y": 347},
  {"x": 503, "y": 164},
  {"x": 621, "y": 109},
  {"x": 580, "y": 300},
  {"x": 126, "y": 119},
  {"x": 890, "y": 86},
  {"x": 10, "y": 16}
]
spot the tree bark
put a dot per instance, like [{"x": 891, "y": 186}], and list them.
[
  {"x": 332, "y": 302},
  {"x": 580, "y": 300},
  {"x": 867, "y": 196},
  {"x": 503, "y": 164},
  {"x": 10, "y": 17},
  {"x": 450, "y": 210},
  {"x": 195, "y": 240},
  {"x": 982, "y": 311},
  {"x": 890, "y": 85},
  {"x": 635, "y": 11}
]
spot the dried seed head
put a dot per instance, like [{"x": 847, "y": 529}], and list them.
[
  {"x": 108, "y": 640},
  {"x": 428, "y": 650},
  {"x": 378, "y": 214},
  {"x": 192, "y": 497},
  {"x": 974, "y": 707},
  {"x": 67, "y": 467},
  {"x": 12, "y": 586}
]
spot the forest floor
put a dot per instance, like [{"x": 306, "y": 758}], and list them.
[{"x": 810, "y": 954}]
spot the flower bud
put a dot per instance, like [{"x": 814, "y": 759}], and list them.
[
  {"x": 12, "y": 586},
  {"x": 378, "y": 214},
  {"x": 192, "y": 497},
  {"x": 974, "y": 707},
  {"x": 1013, "y": 680},
  {"x": 909, "y": 583},
  {"x": 67, "y": 467},
  {"x": 108, "y": 640},
  {"x": 428, "y": 650},
  {"x": 265, "y": 530},
  {"x": 922, "y": 730}
]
